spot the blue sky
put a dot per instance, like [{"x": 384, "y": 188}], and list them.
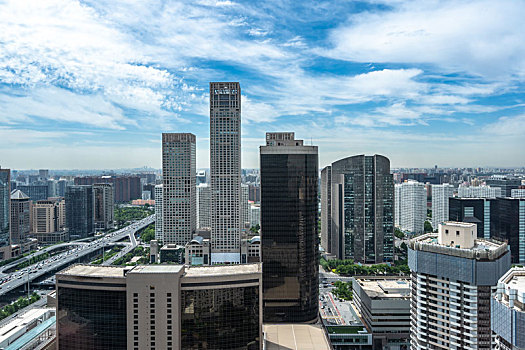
[{"x": 92, "y": 84}]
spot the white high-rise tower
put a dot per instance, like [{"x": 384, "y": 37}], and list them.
[
  {"x": 225, "y": 171},
  {"x": 440, "y": 196},
  {"x": 411, "y": 206}
]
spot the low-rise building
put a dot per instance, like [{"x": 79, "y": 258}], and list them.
[{"x": 384, "y": 306}]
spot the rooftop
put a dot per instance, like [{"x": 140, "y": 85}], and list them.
[
  {"x": 17, "y": 194},
  {"x": 295, "y": 337},
  {"x": 157, "y": 269},
  {"x": 385, "y": 288},
  {"x": 93, "y": 271},
  {"x": 512, "y": 286},
  {"x": 222, "y": 270}
]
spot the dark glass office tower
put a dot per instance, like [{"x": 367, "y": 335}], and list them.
[
  {"x": 472, "y": 210},
  {"x": 20, "y": 217},
  {"x": 506, "y": 184},
  {"x": 507, "y": 223},
  {"x": 289, "y": 217},
  {"x": 362, "y": 209},
  {"x": 5, "y": 212},
  {"x": 80, "y": 211}
]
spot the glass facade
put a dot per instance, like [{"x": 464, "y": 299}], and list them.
[
  {"x": 91, "y": 319},
  {"x": 5, "y": 196},
  {"x": 290, "y": 247},
  {"x": 225, "y": 318},
  {"x": 80, "y": 211},
  {"x": 507, "y": 222},
  {"x": 365, "y": 213}
]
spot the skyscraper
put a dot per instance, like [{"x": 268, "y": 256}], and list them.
[
  {"x": 507, "y": 184},
  {"x": 289, "y": 218},
  {"x": 453, "y": 276},
  {"x": 326, "y": 209},
  {"x": 361, "y": 197},
  {"x": 178, "y": 197},
  {"x": 80, "y": 211},
  {"x": 440, "y": 196},
  {"x": 411, "y": 206},
  {"x": 20, "y": 217},
  {"x": 5, "y": 213},
  {"x": 104, "y": 206},
  {"x": 225, "y": 171},
  {"x": 158, "y": 213},
  {"x": 203, "y": 206},
  {"x": 245, "y": 206}
]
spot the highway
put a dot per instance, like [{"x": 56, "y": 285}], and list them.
[{"x": 14, "y": 280}]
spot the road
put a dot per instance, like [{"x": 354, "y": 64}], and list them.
[
  {"x": 56, "y": 262},
  {"x": 128, "y": 248}
]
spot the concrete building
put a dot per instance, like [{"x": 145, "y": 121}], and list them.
[
  {"x": 507, "y": 184},
  {"x": 159, "y": 306},
  {"x": 508, "y": 311},
  {"x": 5, "y": 213},
  {"x": 20, "y": 217},
  {"x": 159, "y": 236},
  {"x": 479, "y": 192},
  {"x": 33, "y": 329},
  {"x": 245, "y": 208},
  {"x": 127, "y": 188},
  {"x": 440, "y": 203},
  {"x": 326, "y": 209},
  {"x": 410, "y": 206},
  {"x": 35, "y": 191},
  {"x": 203, "y": 206},
  {"x": 198, "y": 250},
  {"x": 453, "y": 275},
  {"x": 518, "y": 193},
  {"x": 225, "y": 171},
  {"x": 80, "y": 211},
  {"x": 289, "y": 219},
  {"x": 361, "y": 197},
  {"x": 104, "y": 206},
  {"x": 179, "y": 208},
  {"x": 255, "y": 215},
  {"x": 384, "y": 306}
]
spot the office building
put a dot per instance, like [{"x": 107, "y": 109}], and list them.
[
  {"x": 127, "y": 188},
  {"x": 255, "y": 215},
  {"x": 440, "y": 207},
  {"x": 289, "y": 218},
  {"x": 43, "y": 174},
  {"x": 203, "y": 206},
  {"x": 473, "y": 210},
  {"x": 80, "y": 211},
  {"x": 158, "y": 213},
  {"x": 326, "y": 209},
  {"x": 61, "y": 187},
  {"x": 518, "y": 193},
  {"x": 479, "y": 192},
  {"x": 225, "y": 171},
  {"x": 20, "y": 217},
  {"x": 104, "y": 206},
  {"x": 254, "y": 193},
  {"x": 453, "y": 275},
  {"x": 159, "y": 306},
  {"x": 245, "y": 207},
  {"x": 48, "y": 221},
  {"x": 507, "y": 184},
  {"x": 35, "y": 191},
  {"x": 384, "y": 306},
  {"x": 361, "y": 198},
  {"x": 179, "y": 208},
  {"x": 508, "y": 311},
  {"x": 201, "y": 177},
  {"x": 410, "y": 206},
  {"x": 5, "y": 213},
  {"x": 507, "y": 223},
  {"x": 52, "y": 188}
]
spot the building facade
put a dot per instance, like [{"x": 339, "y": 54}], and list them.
[
  {"x": 5, "y": 213},
  {"x": 326, "y": 209},
  {"x": 203, "y": 206},
  {"x": 479, "y": 192},
  {"x": 362, "y": 209},
  {"x": 289, "y": 219},
  {"x": 453, "y": 275},
  {"x": 179, "y": 211},
  {"x": 473, "y": 210},
  {"x": 507, "y": 223},
  {"x": 20, "y": 217},
  {"x": 508, "y": 311},
  {"x": 35, "y": 191},
  {"x": 225, "y": 171},
  {"x": 80, "y": 211},
  {"x": 440, "y": 203},
  {"x": 104, "y": 206},
  {"x": 165, "y": 307},
  {"x": 245, "y": 207},
  {"x": 507, "y": 184},
  {"x": 518, "y": 193},
  {"x": 410, "y": 206},
  {"x": 127, "y": 188},
  {"x": 158, "y": 213}
]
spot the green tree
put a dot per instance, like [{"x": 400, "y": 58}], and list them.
[
  {"x": 428, "y": 227},
  {"x": 398, "y": 233}
]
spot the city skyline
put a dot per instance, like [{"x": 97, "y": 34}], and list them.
[{"x": 83, "y": 79}]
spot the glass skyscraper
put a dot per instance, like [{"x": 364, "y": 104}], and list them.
[
  {"x": 289, "y": 219},
  {"x": 80, "y": 211},
  {"x": 5, "y": 212}
]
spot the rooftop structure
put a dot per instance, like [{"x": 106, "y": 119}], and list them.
[{"x": 295, "y": 337}]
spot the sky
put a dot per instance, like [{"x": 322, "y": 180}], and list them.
[{"x": 93, "y": 84}]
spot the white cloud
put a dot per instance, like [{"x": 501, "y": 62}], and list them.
[
  {"x": 478, "y": 37},
  {"x": 508, "y": 126}
]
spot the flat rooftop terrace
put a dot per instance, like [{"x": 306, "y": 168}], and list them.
[
  {"x": 222, "y": 270},
  {"x": 385, "y": 288},
  {"x": 295, "y": 337},
  {"x": 93, "y": 271}
]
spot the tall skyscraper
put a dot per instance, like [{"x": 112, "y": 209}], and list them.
[
  {"x": 453, "y": 276},
  {"x": 440, "y": 196},
  {"x": 411, "y": 206},
  {"x": 507, "y": 222},
  {"x": 289, "y": 219},
  {"x": 326, "y": 209},
  {"x": 245, "y": 206},
  {"x": 5, "y": 213},
  {"x": 80, "y": 211},
  {"x": 20, "y": 217},
  {"x": 158, "y": 213},
  {"x": 203, "y": 206},
  {"x": 361, "y": 197},
  {"x": 225, "y": 171},
  {"x": 507, "y": 184},
  {"x": 104, "y": 206},
  {"x": 472, "y": 210},
  {"x": 179, "y": 218}
]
